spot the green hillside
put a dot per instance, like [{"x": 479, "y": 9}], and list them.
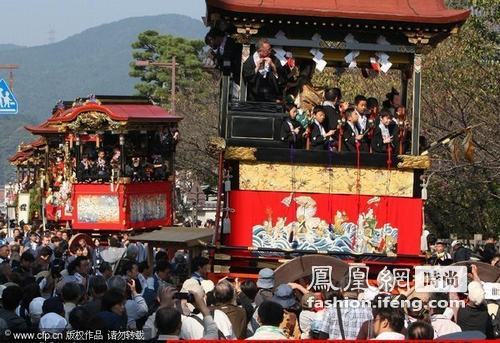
[
  {"x": 94, "y": 61},
  {"x": 5, "y": 47}
]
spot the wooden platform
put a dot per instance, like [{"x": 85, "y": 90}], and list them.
[{"x": 179, "y": 237}]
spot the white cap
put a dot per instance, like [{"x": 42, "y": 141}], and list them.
[
  {"x": 53, "y": 322},
  {"x": 192, "y": 285},
  {"x": 455, "y": 242},
  {"x": 207, "y": 285},
  {"x": 35, "y": 308}
]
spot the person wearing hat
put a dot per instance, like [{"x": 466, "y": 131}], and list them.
[
  {"x": 53, "y": 316},
  {"x": 36, "y": 311},
  {"x": 265, "y": 283},
  {"x": 285, "y": 297},
  {"x": 441, "y": 256}
]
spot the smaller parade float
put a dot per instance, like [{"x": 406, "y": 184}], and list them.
[
  {"x": 25, "y": 194},
  {"x": 102, "y": 164}
]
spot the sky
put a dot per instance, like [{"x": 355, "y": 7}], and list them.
[{"x": 29, "y": 22}]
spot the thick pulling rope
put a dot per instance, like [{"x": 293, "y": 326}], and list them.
[
  {"x": 358, "y": 182},
  {"x": 330, "y": 178},
  {"x": 389, "y": 156}
]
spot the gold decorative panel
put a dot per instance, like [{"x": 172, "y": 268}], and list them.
[{"x": 320, "y": 179}]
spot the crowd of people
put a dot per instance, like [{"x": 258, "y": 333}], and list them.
[
  {"x": 102, "y": 165},
  {"x": 439, "y": 254},
  {"x": 338, "y": 126},
  {"x": 55, "y": 282}
]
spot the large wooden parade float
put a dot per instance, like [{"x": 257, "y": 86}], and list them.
[{"x": 281, "y": 203}]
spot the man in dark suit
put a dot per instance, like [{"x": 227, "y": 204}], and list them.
[
  {"x": 227, "y": 53},
  {"x": 319, "y": 136},
  {"x": 263, "y": 74},
  {"x": 291, "y": 130},
  {"x": 382, "y": 139},
  {"x": 351, "y": 133},
  {"x": 331, "y": 107}
]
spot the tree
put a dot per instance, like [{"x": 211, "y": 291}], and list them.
[
  {"x": 196, "y": 95},
  {"x": 461, "y": 89}
]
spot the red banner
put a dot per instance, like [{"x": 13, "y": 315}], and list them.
[{"x": 343, "y": 223}]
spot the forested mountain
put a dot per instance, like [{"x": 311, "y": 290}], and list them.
[{"x": 94, "y": 61}]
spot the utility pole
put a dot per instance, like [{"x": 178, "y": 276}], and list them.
[
  {"x": 10, "y": 68},
  {"x": 167, "y": 65},
  {"x": 52, "y": 36}
]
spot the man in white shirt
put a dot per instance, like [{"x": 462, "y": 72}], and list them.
[
  {"x": 388, "y": 324},
  {"x": 192, "y": 328},
  {"x": 168, "y": 321}
]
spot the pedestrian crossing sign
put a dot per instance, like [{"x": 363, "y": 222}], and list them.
[{"x": 8, "y": 102}]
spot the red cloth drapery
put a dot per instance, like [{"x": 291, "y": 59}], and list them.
[{"x": 254, "y": 207}]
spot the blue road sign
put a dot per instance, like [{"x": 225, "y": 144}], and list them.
[{"x": 8, "y": 102}]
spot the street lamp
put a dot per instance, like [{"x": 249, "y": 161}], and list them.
[{"x": 167, "y": 65}]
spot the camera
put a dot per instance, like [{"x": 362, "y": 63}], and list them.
[{"x": 182, "y": 295}]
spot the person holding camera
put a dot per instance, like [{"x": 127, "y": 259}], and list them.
[{"x": 168, "y": 320}]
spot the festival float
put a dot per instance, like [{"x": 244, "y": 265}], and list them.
[
  {"x": 278, "y": 203},
  {"x": 25, "y": 193},
  {"x": 105, "y": 164}
]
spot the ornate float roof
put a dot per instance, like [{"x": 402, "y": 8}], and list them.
[
  {"x": 25, "y": 151},
  {"x": 115, "y": 111},
  {"x": 405, "y": 11}
]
